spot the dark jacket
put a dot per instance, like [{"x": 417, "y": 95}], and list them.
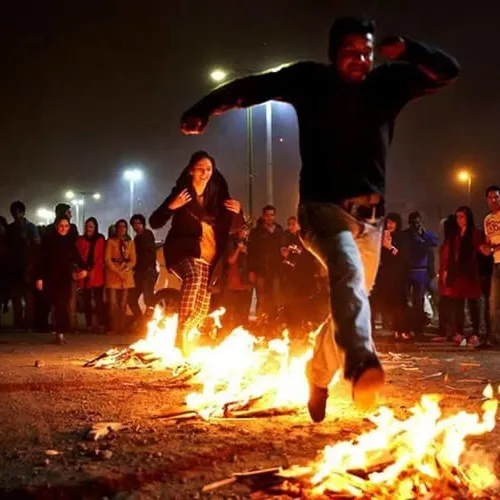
[
  {"x": 21, "y": 240},
  {"x": 73, "y": 231},
  {"x": 264, "y": 251},
  {"x": 57, "y": 261},
  {"x": 145, "y": 249},
  {"x": 345, "y": 129},
  {"x": 183, "y": 239},
  {"x": 418, "y": 248}
]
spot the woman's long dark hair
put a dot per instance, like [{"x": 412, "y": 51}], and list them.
[
  {"x": 217, "y": 190},
  {"x": 466, "y": 250}
]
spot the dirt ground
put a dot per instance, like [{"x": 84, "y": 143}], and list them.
[{"x": 51, "y": 406}]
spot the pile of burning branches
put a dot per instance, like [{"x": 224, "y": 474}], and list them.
[
  {"x": 424, "y": 456},
  {"x": 243, "y": 376}
]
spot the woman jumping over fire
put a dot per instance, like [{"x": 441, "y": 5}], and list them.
[{"x": 203, "y": 215}]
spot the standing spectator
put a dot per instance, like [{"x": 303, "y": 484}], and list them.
[
  {"x": 145, "y": 268},
  {"x": 485, "y": 264},
  {"x": 203, "y": 216},
  {"x": 22, "y": 243},
  {"x": 64, "y": 210},
  {"x": 120, "y": 260},
  {"x": 446, "y": 306},
  {"x": 91, "y": 248},
  {"x": 389, "y": 294},
  {"x": 299, "y": 278},
  {"x": 419, "y": 241},
  {"x": 237, "y": 289},
  {"x": 492, "y": 247},
  {"x": 461, "y": 274},
  {"x": 264, "y": 262},
  {"x": 58, "y": 266}
]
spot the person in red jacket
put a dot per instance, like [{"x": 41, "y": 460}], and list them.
[
  {"x": 91, "y": 248},
  {"x": 460, "y": 274}
]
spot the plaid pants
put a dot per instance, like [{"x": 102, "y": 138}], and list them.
[{"x": 195, "y": 297}]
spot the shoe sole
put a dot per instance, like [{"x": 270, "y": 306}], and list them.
[{"x": 366, "y": 389}]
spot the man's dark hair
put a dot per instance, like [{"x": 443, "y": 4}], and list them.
[
  {"x": 17, "y": 206},
  {"x": 292, "y": 217},
  {"x": 492, "y": 189},
  {"x": 343, "y": 26},
  {"x": 413, "y": 216},
  {"x": 61, "y": 209},
  {"x": 269, "y": 207},
  {"x": 138, "y": 217}
]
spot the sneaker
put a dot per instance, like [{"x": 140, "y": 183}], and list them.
[
  {"x": 368, "y": 379},
  {"x": 317, "y": 402}
]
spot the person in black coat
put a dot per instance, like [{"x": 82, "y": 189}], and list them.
[
  {"x": 58, "y": 266},
  {"x": 389, "y": 293},
  {"x": 203, "y": 216}
]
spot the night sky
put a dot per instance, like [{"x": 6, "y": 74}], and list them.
[{"x": 90, "y": 87}]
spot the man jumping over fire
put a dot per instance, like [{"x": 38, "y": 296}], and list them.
[{"x": 346, "y": 112}]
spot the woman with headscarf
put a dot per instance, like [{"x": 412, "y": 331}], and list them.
[
  {"x": 203, "y": 216},
  {"x": 59, "y": 264},
  {"x": 460, "y": 274},
  {"x": 91, "y": 248},
  {"x": 389, "y": 294},
  {"x": 120, "y": 259}
]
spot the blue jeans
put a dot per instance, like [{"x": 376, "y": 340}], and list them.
[
  {"x": 350, "y": 249},
  {"x": 495, "y": 303}
]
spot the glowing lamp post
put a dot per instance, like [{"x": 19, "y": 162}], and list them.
[
  {"x": 132, "y": 175},
  {"x": 465, "y": 177},
  {"x": 77, "y": 198}
]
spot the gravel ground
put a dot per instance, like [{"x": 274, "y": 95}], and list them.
[{"x": 49, "y": 401}]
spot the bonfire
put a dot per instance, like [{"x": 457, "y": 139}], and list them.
[
  {"x": 242, "y": 376},
  {"x": 423, "y": 456}
]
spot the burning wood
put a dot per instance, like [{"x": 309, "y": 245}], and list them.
[
  {"x": 233, "y": 375},
  {"x": 423, "y": 456}
]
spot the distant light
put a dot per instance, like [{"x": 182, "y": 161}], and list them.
[
  {"x": 96, "y": 196},
  {"x": 78, "y": 202},
  {"x": 133, "y": 175},
  {"x": 464, "y": 176},
  {"x": 218, "y": 75},
  {"x": 44, "y": 213},
  {"x": 281, "y": 139},
  {"x": 70, "y": 195}
]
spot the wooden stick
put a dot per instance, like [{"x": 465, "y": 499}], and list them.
[
  {"x": 219, "y": 484},
  {"x": 265, "y": 412}
]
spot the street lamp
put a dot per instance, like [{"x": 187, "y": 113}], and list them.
[
  {"x": 132, "y": 175},
  {"x": 77, "y": 198},
  {"x": 218, "y": 75},
  {"x": 465, "y": 176}
]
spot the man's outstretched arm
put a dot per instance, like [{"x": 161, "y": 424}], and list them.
[
  {"x": 417, "y": 68},
  {"x": 279, "y": 85}
]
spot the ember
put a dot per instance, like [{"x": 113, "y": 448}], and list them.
[
  {"x": 421, "y": 457},
  {"x": 243, "y": 376}
]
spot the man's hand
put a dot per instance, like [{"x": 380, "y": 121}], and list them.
[
  {"x": 233, "y": 206},
  {"x": 39, "y": 285},
  {"x": 183, "y": 198},
  {"x": 391, "y": 48},
  {"x": 192, "y": 123}
]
